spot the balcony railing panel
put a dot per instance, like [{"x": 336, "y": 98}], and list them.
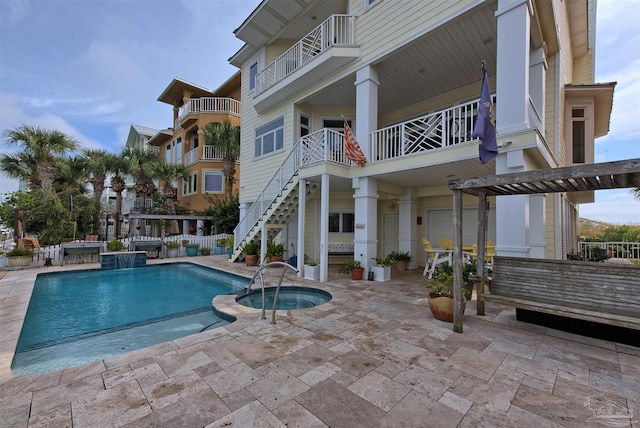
[
  {"x": 210, "y": 105},
  {"x": 629, "y": 251},
  {"x": 324, "y": 145},
  {"x": 337, "y": 30},
  {"x": 212, "y": 153},
  {"x": 436, "y": 130}
]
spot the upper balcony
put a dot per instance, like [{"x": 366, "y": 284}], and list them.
[
  {"x": 326, "y": 48},
  {"x": 190, "y": 111},
  {"x": 208, "y": 153}
]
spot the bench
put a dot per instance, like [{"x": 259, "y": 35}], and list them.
[
  {"x": 597, "y": 292},
  {"x": 148, "y": 245}
]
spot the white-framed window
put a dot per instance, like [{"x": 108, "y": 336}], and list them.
[
  {"x": 305, "y": 125},
  {"x": 253, "y": 72},
  {"x": 190, "y": 186},
  {"x": 269, "y": 138},
  {"x": 370, "y": 3},
  {"x": 213, "y": 181},
  {"x": 341, "y": 222},
  {"x": 173, "y": 153},
  {"x": 580, "y": 133}
]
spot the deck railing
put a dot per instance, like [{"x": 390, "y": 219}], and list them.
[
  {"x": 210, "y": 105},
  {"x": 615, "y": 250},
  {"x": 208, "y": 153},
  {"x": 433, "y": 131},
  {"x": 337, "y": 30}
]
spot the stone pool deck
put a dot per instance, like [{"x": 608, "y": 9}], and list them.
[{"x": 372, "y": 357}]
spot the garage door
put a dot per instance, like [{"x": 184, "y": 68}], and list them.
[{"x": 440, "y": 225}]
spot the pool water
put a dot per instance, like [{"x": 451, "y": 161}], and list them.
[
  {"x": 82, "y": 316},
  {"x": 289, "y": 298}
]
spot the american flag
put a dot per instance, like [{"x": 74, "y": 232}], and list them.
[{"x": 351, "y": 147}]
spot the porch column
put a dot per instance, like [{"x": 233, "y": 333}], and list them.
[
  {"x": 199, "y": 227},
  {"x": 513, "y": 214},
  {"x": 366, "y": 107},
  {"x": 302, "y": 208},
  {"x": 537, "y": 77},
  {"x": 324, "y": 228},
  {"x": 514, "y": 24},
  {"x": 408, "y": 231},
  {"x": 537, "y": 209},
  {"x": 366, "y": 220},
  {"x": 185, "y": 227}
]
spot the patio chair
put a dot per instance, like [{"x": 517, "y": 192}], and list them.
[
  {"x": 435, "y": 257},
  {"x": 446, "y": 243}
]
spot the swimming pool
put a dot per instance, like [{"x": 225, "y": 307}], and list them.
[
  {"x": 289, "y": 298},
  {"x": 83, "y": 316}
]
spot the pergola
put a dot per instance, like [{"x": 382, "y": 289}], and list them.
[{"x": 598, "y": 176}]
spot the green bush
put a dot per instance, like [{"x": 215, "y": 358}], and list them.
[
  {"x": 172, "y": 245},
  {"x": 115, "y": 245},
  {"x": 17, "y": 251},
  {"x": 250, "y": 248}
]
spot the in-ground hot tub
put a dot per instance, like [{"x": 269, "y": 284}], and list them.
[{"x": 289, "y": 298}]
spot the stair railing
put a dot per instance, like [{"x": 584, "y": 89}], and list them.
[{"x": 259, "y": 274}]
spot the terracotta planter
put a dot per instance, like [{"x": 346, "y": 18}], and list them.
[
  {"x": 442, "y": 307},
  {"x": 357, "y": 273},
  {"x": 401, "y": 266},
  {"x": 20, "y": 261},
  {"x": 251, "y": 259},
  {"x": 276, "y": 258}
]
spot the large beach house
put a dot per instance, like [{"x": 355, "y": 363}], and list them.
[{"x": 405, "y": 76}]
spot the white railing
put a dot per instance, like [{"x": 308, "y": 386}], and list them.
[
  {"x": 615, "y": 250},
  {"x": 208, "y": 153},
  {"x": 54, "y": 252},
  {"x": 324, "y": 145},
  {"x": 210, "y": 105},
  {"x": 433, "y": 131},
  {"x": 284, "y": 174},
  {"x": 337, "y": 30}
]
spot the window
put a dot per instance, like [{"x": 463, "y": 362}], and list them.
[
  {"x": 190, "y": 185},
  {"x": 269, "y": 138},
  {"x": 304, "y": 125},
  {"x": 173, "y": 152},
  {"x": 213, "y": 181},
  {"x": 194, "y": 140},
  {"x": 370, "y": 3},
  {"x": 253, "y": 72},
  {"x": 341, "y": 222},
  {"x": 578, "y": 140}
]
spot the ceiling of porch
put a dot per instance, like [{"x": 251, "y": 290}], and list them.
[{"x": 446, "y": 59}]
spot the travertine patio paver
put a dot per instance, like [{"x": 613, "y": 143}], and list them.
[{"x": 372, "y": 357}]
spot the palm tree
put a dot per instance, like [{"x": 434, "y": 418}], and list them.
[
  {"x": 42, "y": 147},
  {"x": 119, "y": 167},
  {"x": 21, "y": 166},
  {"x": 97, "y": 164},
  {"x": 71, "y": 175},
  {"x": 225, "y": 137},
  {"x": 636, "y": 192},
  {"x": 167, "y": 174},
  {"x": 140, "y": 166}
]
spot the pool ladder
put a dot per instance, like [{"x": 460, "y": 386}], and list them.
[{"x": 259, "y": 274}]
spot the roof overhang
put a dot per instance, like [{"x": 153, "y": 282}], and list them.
[
  {"x": 161, "y": 137},
  {"x": 602, "y": 95},
  {"x": 176, "y": 89}
]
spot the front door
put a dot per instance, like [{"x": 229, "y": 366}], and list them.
[{"x": 390, "y": 232}]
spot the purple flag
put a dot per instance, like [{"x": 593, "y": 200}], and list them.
[{"x": 485, "y": 128}]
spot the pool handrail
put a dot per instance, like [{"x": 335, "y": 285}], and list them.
[{"x": 275, "y": 297}]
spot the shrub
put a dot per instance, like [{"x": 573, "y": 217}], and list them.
[
  {"x": 250, "y": 248},
  {"x": 115, "y": 245},
  {"x": 172, "y": 245},
  {"x": 17, "y": 251},
  {"x": 349, "y": 265}
]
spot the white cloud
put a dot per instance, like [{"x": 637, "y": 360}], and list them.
[
  {"x": 13, "y": 11},
  {"x": 613, "y": 206}
]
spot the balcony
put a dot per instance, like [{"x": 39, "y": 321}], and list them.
[
  {"x": 325, "y": 49},
  {"x": 190, "y": 111},
  {"x": 208, "y": 153}
]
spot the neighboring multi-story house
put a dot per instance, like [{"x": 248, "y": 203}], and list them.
[
  {"x": 193, "y": 108},
  {"x": 406, "y": 76}
]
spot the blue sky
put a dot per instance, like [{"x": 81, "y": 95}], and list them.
[{"x": 92, "y": 68}]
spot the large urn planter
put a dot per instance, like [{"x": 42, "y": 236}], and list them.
[
  {"x": 172, "y": 253},
  {"x": 218, "y": 251},
  {"x": 191, "y": 250},
  {"x": 20, "y": 261},
  {"x": 357, "y": 273},
  {"x": 251, "y": 259},
  {"x": 442, "y": 307}
]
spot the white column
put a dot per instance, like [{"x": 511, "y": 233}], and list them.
[
  {"x": 185, "y": 227},
  {"x": 324, "y": 228},
  {"x": 512, "y": 80},
  {"x": 199, "y": 227},
  {"x": 408, "y": 231},
  {"x": 366, "y": 106},
  {"x": 302, "y": 208},
  {"x": 537, "y": 218},
  {"x": 366, "y": 220},
  {"x": 537, "y": 78}
]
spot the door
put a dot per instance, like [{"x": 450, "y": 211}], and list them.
[{"x": 390, "y": 232}]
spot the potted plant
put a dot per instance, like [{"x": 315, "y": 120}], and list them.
[
  {"x": 219, "y": 248},
  {"x": 115, "y": 245},
  {"x": 205, "y": 251},
  {"x": 354, "y": 267},
  {"x": 250, "y": 251},
  {"x": 275, "y": 252},
  {"x": 312, "y": 271},
  {"x": 230, "y": 245},
  {"x": 20, "y": 257},
  {"x": 172, "y": 249},
  {"x": 382, "y": 269},
  {"x": 441, "y": 298},
  {"x": 192, "y": 249},
  {"x": 469, "y": 267},
  {"x": 401, "y": 258}
]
